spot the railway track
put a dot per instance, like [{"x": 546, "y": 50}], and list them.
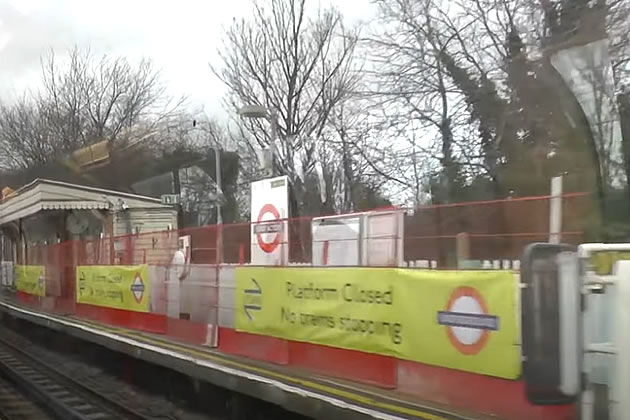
[
  {"x": 63, "y": 397},
  {"x": 16, "y": 406}
]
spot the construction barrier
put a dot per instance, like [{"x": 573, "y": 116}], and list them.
[
  {"x": 31, "y": 279},
  {"x": 461, "y": 320},
  {"x": 447, "y": 337},
  {"x": 187, "y": 295},
  {"x": 117, "y": 287}
]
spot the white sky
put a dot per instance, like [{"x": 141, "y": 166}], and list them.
[{"x": 181, "y": 37}]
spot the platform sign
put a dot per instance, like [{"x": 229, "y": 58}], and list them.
[
  {"x": 467, "y": 321},
  {"x": 118, "y": 286},
  {"x": 269, "y": 211},
  {"x": 31, "y": 279},
  {"x": 455, "y": 319}
]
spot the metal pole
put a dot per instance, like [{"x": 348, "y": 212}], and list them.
[
  {"x": 219, "y": 227},
  {"x": 217, "y": 159},
  {"x": 273, "y": 117}
]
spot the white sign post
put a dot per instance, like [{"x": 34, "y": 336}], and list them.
[{"x": 269, "y": 227}]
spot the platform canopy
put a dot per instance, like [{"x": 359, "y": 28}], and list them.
[{"x": 44, "y": 194}]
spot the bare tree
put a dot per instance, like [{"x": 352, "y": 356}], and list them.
[
  {"x": 350, "y": 153},
  {"x": 84, "y": 99},
  {"x": 25, "y": 140},
  {"x": 418, "y": 101},
  {"x": 298, "y": 67},
  {"x": 498, "y": 60}
]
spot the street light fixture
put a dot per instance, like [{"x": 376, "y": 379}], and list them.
[
  {"x": 254, "y": 111},
  {"x": 259, "y": 111}
]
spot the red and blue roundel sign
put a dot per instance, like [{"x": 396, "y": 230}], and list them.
[
  {"x": 137, "y": 288},
  {"x": 467, "y": 320},
  {"x": 268, "y": 230}
]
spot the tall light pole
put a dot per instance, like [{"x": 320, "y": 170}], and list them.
[
  {"x": 259, "y": 111},
  {"x": 217, "y": 164}
]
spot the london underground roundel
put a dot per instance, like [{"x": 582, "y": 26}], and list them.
[{"x": 467, "y": 320}]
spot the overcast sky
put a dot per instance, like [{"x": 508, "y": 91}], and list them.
[{"x": 181, "y": 37}]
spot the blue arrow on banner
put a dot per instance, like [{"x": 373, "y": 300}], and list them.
[{"x": 253, "y": 300}]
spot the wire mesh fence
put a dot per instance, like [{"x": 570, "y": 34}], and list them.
[{"x": 495, "y": 230}]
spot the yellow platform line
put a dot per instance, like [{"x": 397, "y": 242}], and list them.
[{"x": 206, "y": 355}]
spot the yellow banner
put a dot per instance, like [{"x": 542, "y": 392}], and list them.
[
  {"x": 31, "y": 279},
  {"x": 464, "y": 320},
  {"x": 117, "y": 286},
  {"x": 604, "y": 261}
]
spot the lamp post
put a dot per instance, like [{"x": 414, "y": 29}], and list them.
[
  {"x": 217, "y": 162},
  {"x": 259, "y": 111}
]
